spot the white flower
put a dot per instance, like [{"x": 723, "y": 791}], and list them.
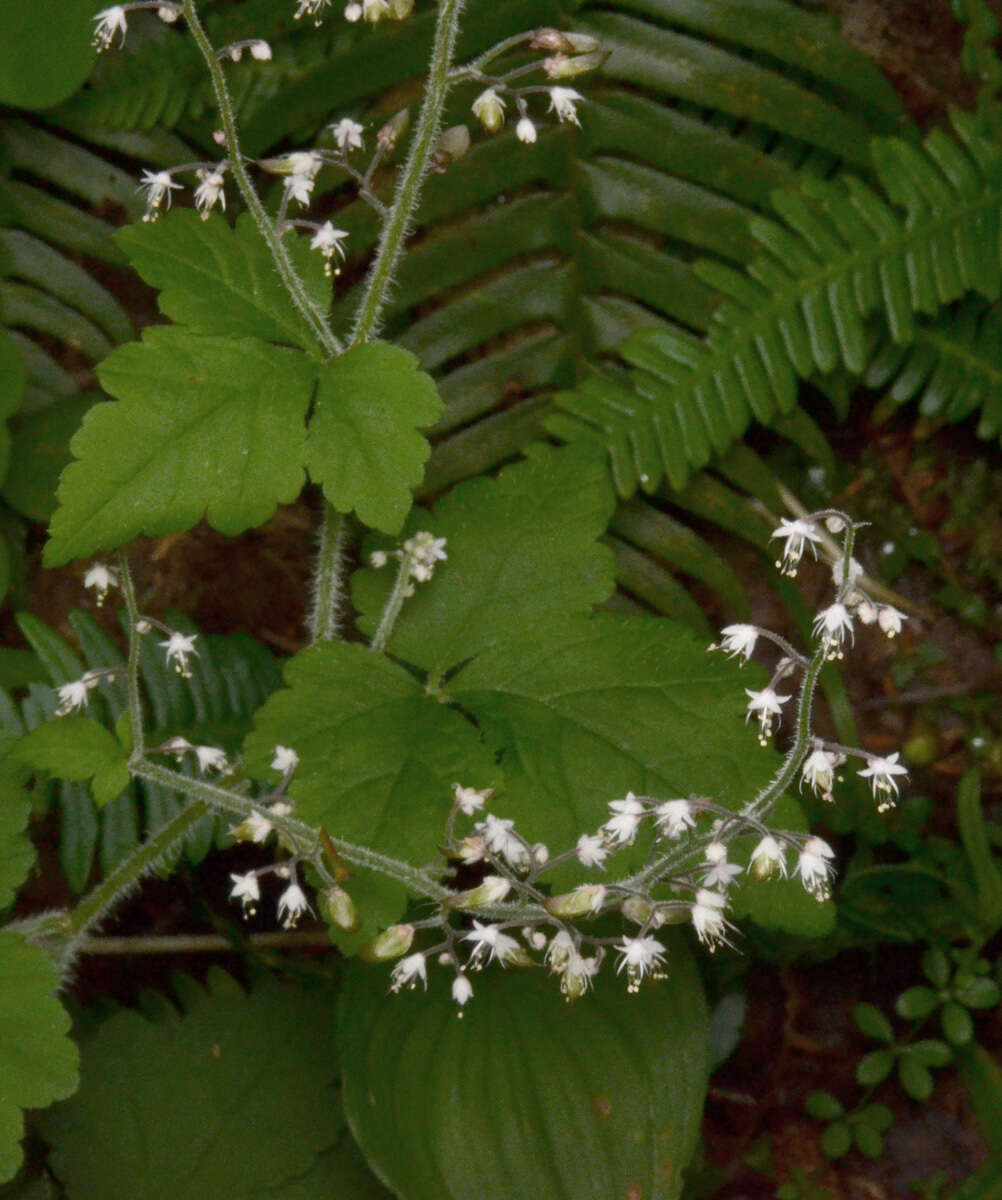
[
  {"x": 328, "y": 241},
  {"x": 169, "y": 13},
  {"x": 210, "y": 191},
  {"x": 158, "y": 186},
  {"x": 211, "y": 758},
  {"x": 833, "y": 624},
  {"x": 470, "y": 800},
  {"x": 353, "y": 12},
  {"x": 814, "y": 866},
  {"x": 471, "y": 850},
  {"x": 675, "y": 817},
  {"x": 500, "y": 839},
  {"x": 525, "y": 131},
  {"x": 246, "y": 889},
  {"x": 378, "y": 559},
  {"x": 881, "y": 773},
  {"x": 889, "y": 618},
  {"x": 299, "y": 188},
  {"x": 260, "y": 50},
  {"x": 640, "y": 956},
  {"x": 109, "y": 22},
  {"x": 488, "y": 108},
  {"x": 462, "y": 989},
  {"x": 73, "y": 696},
  {"x": 818, "y": 772},
  {"x": 285, "y": 760},
  {"x": 838, "y": 571},
  {"x": 767, "y": 704},
  {"x": 562, "y": 102},
  {"x": 291, "y": 905},
  {"x": 624, "y": 825},
  {"x": 311, "y": 8},
  {"x": 577, "y": 975},
  {"x": 798, "y": 534},
  {"x": 102, "y": 579},
  {"x": 767, "y": 858},
  {"x": 707, "y": 916},
  {"x": 866, "y": 610},
  {"x": 424, "y": 551},
  {"x": 738, "y": 639},
  {"x": 178, "y": 746},
  {"x": 408, "y": 971},
  {"x": 375, "y": 10},
  {"x": 491, "y": 943},
  {"x": 178, "y": 647},
  {"x": 348, "y": 135},
  {"x": 591, "y": 850},
  {"x": 253, "y": 828},
  {"x": 721, "y": 871}
]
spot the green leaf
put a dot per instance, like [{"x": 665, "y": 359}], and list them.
[
  {"x": 227, "y": 1100},
  {"x": 877, "y": 1116},
  {"x": 869, "y": 1141},
  {"x": 977, "y": 992},
  {"x": 377, "y": 755},
  {"x": 837, "y": 1139},
  {"x": 73, "y": 748},
  {"x": 526, "y": 1095},
  {"x": 203, "y": 425},
  {"x": 874, "y": 1068},
  {"x": 936, "y": 967},
  {"x": 585, "y": 709},
  {"x": 109, "y": 783},
  {"x": 45, "y": 50},
  {"x": 823, "y": 1106},
  {"x": 16, "y": 851},
  {"x": 914, "y": 1077},
  {"x": 338, "y": 1174},
  {"x": 362, "y": 444},
  {"x": 221, "y": 280},
  {"x": 931, "y": 1052},
  {"x": 958, "y": 1027},
  {"x": 983, "y": 1080},
  {"x": 916, "y": 1003},
  {"x": 987, "y": 877},
  {"x": 871, "y": 1021},
  {"x": 40, "y": 449},
  {"x": 38, "y": 1062},
  {"x": 521, "y": 547}
]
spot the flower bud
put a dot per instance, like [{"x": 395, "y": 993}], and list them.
[
  {"x": 391, "y": 943},
  {"x": 488, "y": 108},
  {"x": 493, "y": 890},
  {"x": 400, "y": 10},
  {"x": 340, "y": 909},
  {"x": 555, "y": 42},
  {"x": 562, "y": 67},
  {"x": 452, "y": 144},
  {"x": 586, "y": 899},
  {"x": 637, "y": 909},
  {"x": 393, "y": 130}
]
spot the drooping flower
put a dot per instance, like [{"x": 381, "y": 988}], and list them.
[
  {"x": 409, "y": 972},
  {"x": 157, "y": 186},
  {"x": 462, "y": 989},
  {"x": 798, "y": 535},
  {"x": 299, "y": 188},
  {"x": 210, "y": 191},
  {"x": 562, "y": 102},
  {"x": 179, "y": 646},
  {"x": 260, "y": 50},
  {"x": 833, "y": 625},
  {"x": 818, "y": 772},
  {"x": 109, "y": 21},
  {"x": 500, "y": 839},
  {"x": 491, "y": 944},
  {"x": 639, "y": 956},
  {"x": 348, "y": 135},
  {"x": 814, "y": 866},
  {"x": 591, "y": 850},
  {"x": 291, "y": 905},
  {"x": 102, "y": 579},
  {"x": 247, "y": 890},
  {"x": 330, "y": 242},
  {"x": 889, "y": 619},
  {"x": 623, "y": 825},
  {"x": 73, "y": 696},
  {"x": 707, "y": 915},
  {"x": 721, "y": 872},
  {"x": 211, "y": 758},
  {"x": 767, "y": 859},
  {"x": 768, "y": 705},
  {"x": 253, "y": 828},
  {"x": 525, "y": 131},
  {"x": 881, "y": 773},
  {"x": 738, "y": 640}
]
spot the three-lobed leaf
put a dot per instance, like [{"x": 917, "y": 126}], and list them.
[
  {"x": 363, "y": 445},
  {"x": 211, "y": 426},
  {"x": 74, "y": 748},
  {"x": 38, "y": 1061}
]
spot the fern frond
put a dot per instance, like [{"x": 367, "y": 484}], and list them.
[
  {"x": 953, "y": 368},
  {"x": 841, "y": 253}
]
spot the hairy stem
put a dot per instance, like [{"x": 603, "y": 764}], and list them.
[
  {"x": 328, "y": 577},
  {"x": 135, "y": 700},
  {"x": 394, "y": 603},
  {"x": 283, "y": 263},
  {"x": 408, "y": 191}
]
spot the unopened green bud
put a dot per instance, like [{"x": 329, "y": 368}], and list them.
[
  {"x": 341, "y": 909},
  {"x": 555, "y": 42},
  {"x": 391, "y": 943},
  {"x": 488, "y": 108},
  {"x": 393, "y": 130},
  {"x": 452, "y": 145},
  {"x": 562, "y": 67},
  {"x": 492, "y": 891},
  {"x": 586, "y": 899},
  {"x": 519, "y": 958},
  {"x": 637, "y": 909},
  {"x": 401, "y": 9}
]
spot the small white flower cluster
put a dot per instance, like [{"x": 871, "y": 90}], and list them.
[
  {"x": 372, "y": 11},
  {"x": 209, "y": 758},
  {"x": 114, "y": 20},
  {"x": 418, "y": 555}
]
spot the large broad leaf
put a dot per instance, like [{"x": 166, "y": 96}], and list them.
[
  {"x": 45, "y": 50},
  {"x": 363, "y": 445},
  {"x": 378, "y": 758},
  {"x": 38, "y": 1062},
  {"x": 209, "y": 426},
  {"x": 520, "y": 547},
  {"x": 71, "y": 748},
  {"x": 526, "y": 1095},
  {"x": 16, "y": 851},
  {"x": 227, "y": 1100},
  {"x": 221, "y": 280}
]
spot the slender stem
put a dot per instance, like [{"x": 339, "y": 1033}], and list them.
[
  {"x": 395, "y": 602},
  {"x": 287, "y": 272},
  {"x": 135, "y": 700},
  {"x": 409, "y": 187},
  {"x": 328, "y": 580}
]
